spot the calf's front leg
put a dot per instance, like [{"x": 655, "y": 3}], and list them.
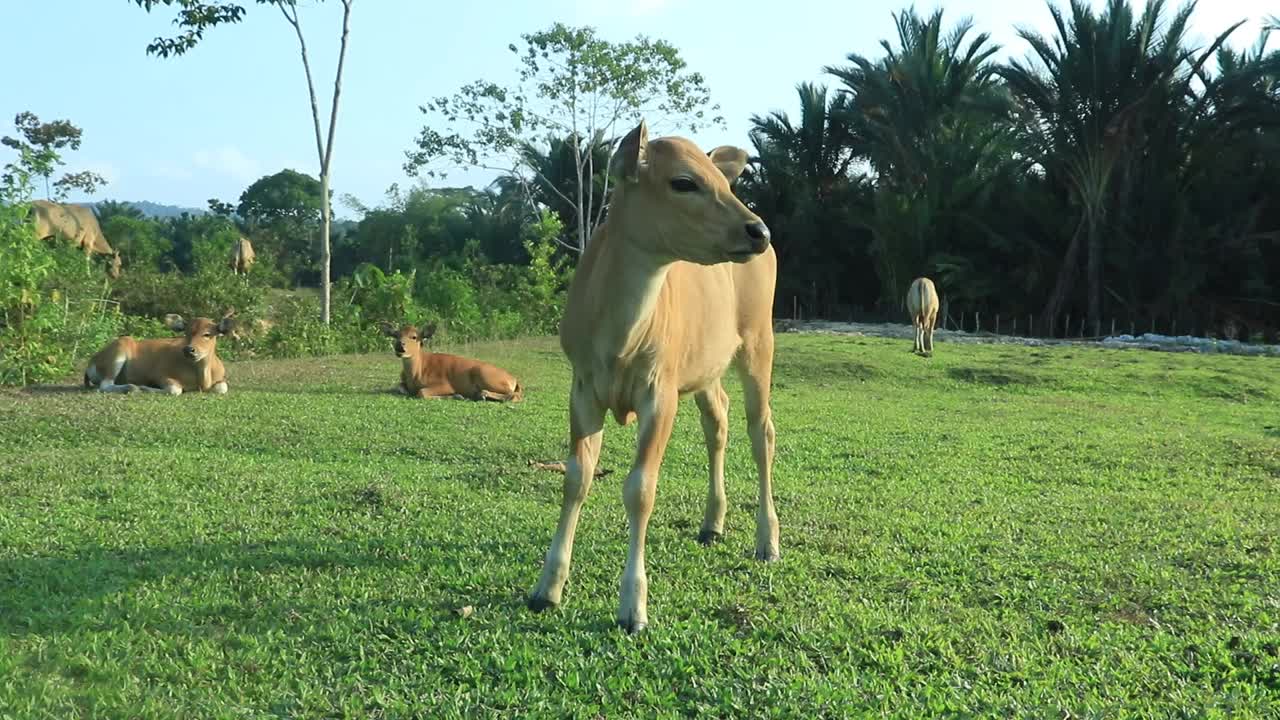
[
  {"x": 586, "y": 431},
  {"x": 657, "y": 416}
]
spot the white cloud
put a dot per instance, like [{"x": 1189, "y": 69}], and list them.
[{"x": 229, "y": 161}]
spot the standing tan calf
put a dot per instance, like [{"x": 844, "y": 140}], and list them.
[
  {"x": 172, "y": 365},
  {"x": 922, "y": 305},
  {"x": 675, "y": 286},
  {"x": 437, "y": 375}
]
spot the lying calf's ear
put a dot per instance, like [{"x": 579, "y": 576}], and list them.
[
  {"x": 428, "y": 331},
  {"x": 225, "y": 325},
  {"x": 387, "y": 329},
  {"x": 174, "y": 322}
]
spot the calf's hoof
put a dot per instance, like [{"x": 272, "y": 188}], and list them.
[
  {"x": 768, "y": 554},
  {"x": 538, "y": 603},
  {"x": 632, "y": 626},
  {"x": 709, "y": 537}
]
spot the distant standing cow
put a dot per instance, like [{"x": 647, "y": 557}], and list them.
[
  {"x": 922, "y": 305},
  {"x": 242, "y": 257}
]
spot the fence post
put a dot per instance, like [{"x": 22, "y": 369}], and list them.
[
  {"x": 1113, "y": 327},
  {"x": 977, "y": 321},
  {"x": 1031, "y": 325},
  {"x": 997, "y": 323},
  {"x": 1082, "y": 320}
]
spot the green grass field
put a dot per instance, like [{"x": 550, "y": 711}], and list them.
[{"x": 1000, "y": 531}]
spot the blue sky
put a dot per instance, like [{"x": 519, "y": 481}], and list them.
[{"x": 182, "y": 130}]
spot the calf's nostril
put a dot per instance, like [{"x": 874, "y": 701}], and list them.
[{"x": 758, "y": 231}]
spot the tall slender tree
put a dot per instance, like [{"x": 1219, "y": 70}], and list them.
[{"x": 197, "y": 16}]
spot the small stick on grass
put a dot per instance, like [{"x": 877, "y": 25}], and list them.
[{"x": 558, "y": 466}]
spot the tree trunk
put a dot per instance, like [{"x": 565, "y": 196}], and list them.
[
  {"x": 1066, "y": 278},
  {"x": 1095, "y": 278},
  {"x": 326, "y": 216},
  {"x": 324, "y": 148}
]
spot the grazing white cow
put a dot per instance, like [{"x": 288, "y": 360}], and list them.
[
  {"x": 188, "y": 363},
  {"x": 438, "y": 375},
  {"x": 922, "y": 305},
  {"x": 676, "y": 285}
]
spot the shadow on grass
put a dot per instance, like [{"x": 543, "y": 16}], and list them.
[
  {"x": 42, "y": 595},
  {"x": 95, "y": 590},
  {"x": 54, "y": 390},
  {"x": 987, "y": 376}
]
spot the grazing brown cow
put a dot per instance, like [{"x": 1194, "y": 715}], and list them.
[
  {"x": 72, "y": 222},
  {"x": 438, "y": 375},
  {"x": 922, "y": 305},
  {"x": 675, "y": 286},
  {"x": 171, "y": 365},
  {"x": 242, "y": 257}
]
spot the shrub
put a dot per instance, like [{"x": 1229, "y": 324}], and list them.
[
  {"x": 210, "y": 292},
  {"x": 51, "y": 295}
]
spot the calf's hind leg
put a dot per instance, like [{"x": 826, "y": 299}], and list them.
[
  {"x": 755, "y": 366},
  {"x": 714, "y": 405}
]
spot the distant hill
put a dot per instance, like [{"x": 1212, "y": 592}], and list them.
[{"x": 156, "y": 210}]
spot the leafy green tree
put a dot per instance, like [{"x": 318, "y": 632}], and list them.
[
  {"x": 41, "y": 145},
  {"x": 220, "y": 208},
  {"x": 572, "y": 85},
  {"x": 287, "y": 196},
  {"x": 141, "y": 242},
  {"x": 197, "y": 16},
  {"x": 284, "y": 213}
]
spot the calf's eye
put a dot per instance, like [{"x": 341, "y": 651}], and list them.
[{"x": 684, "y": 185}]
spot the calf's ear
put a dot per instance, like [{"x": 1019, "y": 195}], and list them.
[{"x": 174, "y": 322}]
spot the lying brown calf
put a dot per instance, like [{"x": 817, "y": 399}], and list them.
[
  {"x": 437, "y": 375},
  {"x": 188, "y": 363}
]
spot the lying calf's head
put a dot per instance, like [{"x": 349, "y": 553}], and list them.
[
  {"x": 201, "y": 334},
  {"x": 407, "y": 340}
]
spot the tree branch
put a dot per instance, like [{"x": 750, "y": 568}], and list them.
[{"x": 337, "y": 86}]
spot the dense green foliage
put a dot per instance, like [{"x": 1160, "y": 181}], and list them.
[
  {"x": 1121, "y": 172},
  {"x": 1002, "y": 531},
  {"x": 53, "y": 305},
  {"x": 1117, "y": 174}
]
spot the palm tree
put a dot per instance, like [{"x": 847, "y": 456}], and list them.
[
  {"x": 934, "y": 118},
  {"x": 555, "y": 182},
  {"x": 1090, "y": 107},
  {"x": 802, "y": 183},
  {"x": 107, "y": 209}
]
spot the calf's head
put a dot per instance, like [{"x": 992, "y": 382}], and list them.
[
  {"x": 201, "y": 334},
  {"x": 407, "y": 340},
  {"x": 676, "y": 202}
]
